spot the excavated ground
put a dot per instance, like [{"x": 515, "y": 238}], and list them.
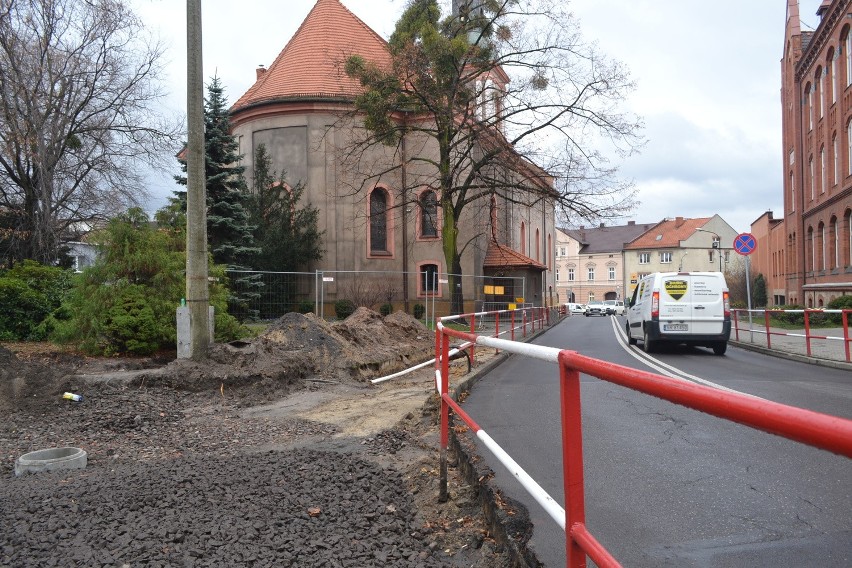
[{"x": 277, "y": 451}]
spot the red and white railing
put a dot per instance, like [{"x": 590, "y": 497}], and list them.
[
  {"x": 760, "y": 322},
  {"x": 823, "y": 431}
]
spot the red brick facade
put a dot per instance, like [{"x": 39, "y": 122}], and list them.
[{"x": 809, "y": 258}]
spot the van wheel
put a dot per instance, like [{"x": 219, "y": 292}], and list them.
[
  {"x": 647, "y": 344},
  {"x": 720, "y": 347},
  {"x": 630, "y": 339}
]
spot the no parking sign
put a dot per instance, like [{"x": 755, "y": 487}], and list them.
[{"x": 745, "y": 243}]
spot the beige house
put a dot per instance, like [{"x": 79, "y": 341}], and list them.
[
  {"x": 681, "y": 244},
  {"x": 379, "y": 213},
  {"x": 590, "y": 261}
]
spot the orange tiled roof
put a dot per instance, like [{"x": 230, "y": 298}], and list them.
[
  {"x": 499, "y": 256},
  {"x": 667, "y": 233},
  {"x": 310, "y": 65}
]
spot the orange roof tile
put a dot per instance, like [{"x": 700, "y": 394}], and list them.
[
  {"x": 310, "y": 65},
  {"x": 499, "y": 256},
  {"x": 667, "y": 233}
]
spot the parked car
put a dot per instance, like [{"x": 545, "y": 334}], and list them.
[
  {"x": 573, "y": 308},
  {"x": 614, "y": 307},
  {"x": 595, "y": 308}
]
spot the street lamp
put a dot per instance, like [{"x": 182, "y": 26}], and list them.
[{"x": 717, "y": 244}]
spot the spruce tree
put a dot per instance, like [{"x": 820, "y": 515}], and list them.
[
  {"x": 287, "y": 234},
  {"x": 230, "y": 234}
]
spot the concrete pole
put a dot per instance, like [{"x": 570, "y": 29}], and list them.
[{"x": 197, "y": 293}]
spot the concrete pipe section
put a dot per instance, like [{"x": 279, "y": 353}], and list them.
[{"x": 50, "y": 460}]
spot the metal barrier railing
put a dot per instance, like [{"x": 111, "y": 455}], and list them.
[
  {"x": 815, "y": 429},
  {"x": 744, "y": 322}
]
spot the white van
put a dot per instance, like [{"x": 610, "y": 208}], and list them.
[{"x": 680, "y": 307}]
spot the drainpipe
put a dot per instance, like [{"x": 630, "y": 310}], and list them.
[{"x": 404, "y": 221}]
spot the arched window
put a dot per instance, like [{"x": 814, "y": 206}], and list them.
[
  {"x": 792, "y": 192},
  {"x": 537, "y": 245},
  {"x": 833, "y": 243},
  {"x": 811, "y": 176},
  {"x": 809, "y": 101},
  {"x": 379, "y": 221},
  {"x": 523, "y": 238},
  {"x": 835, "y": 163},
  {"x": 822, "y": 170},
  {"x": 848, "y": 51},
  {"x": 847, "y": 238},
  {"x": 832, "y": 57},
  {"x": 821, "y": 246},
  {"x": 849, "y": 148},
  {"x": 810, "y": 251},
  {"x": 428, "y": 283},
  {"x": 819, "y": 90},
  {"x": 428, "y": 214}
]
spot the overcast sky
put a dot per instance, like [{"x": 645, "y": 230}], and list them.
[{"x": 708, "y": 76}]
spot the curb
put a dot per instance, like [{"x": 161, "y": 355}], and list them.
[{"x": 841, "y": 365}]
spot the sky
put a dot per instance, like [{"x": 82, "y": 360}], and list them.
[{"x": 708, "y": 78}]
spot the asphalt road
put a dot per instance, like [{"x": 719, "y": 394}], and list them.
[{"x": 666, "y": 485}]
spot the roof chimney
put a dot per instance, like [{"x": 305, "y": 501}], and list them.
[
  {"x": 631, "y": 223},
  {"x": 601, "y": 226},
  {"x": 261, "y": 70},
  {"x": 823, "y": 8},
  {"x": 678, "y": 221}
]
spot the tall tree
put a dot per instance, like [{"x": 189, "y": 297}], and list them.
[
  {"x": 503, "y": 95},
  {"x": 230, "y": 234},
  {"x": 758, "y": 291},
  {"x": 287, "y": 233},
  {"x": 79, "y": 84}
]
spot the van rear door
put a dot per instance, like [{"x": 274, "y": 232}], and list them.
[{"x": 692, "y": 303}]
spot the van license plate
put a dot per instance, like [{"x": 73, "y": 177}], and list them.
[{"x": 675, "y": 327}]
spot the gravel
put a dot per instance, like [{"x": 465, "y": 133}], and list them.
[{"x": 295, "y": 508}]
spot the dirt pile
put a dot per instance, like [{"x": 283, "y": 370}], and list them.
[{"x": 300, "y": 348}]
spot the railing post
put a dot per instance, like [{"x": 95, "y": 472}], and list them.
[
  {"x": 845, "y": 318},
  {"x": 497, "y": 328},
  {"x": 736, "y": 324},
  {"x": 572, "y": 460},
  {"x": 524, "y": 315},
  {"x": 768, "y": 333},
  {"x": 445, "y": 417},
  {"x": 472, "y": 331},
  {"x": 512, "y": 323},
  {"x": 808, "y": 332}
]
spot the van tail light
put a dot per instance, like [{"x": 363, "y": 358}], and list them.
[
  {"x": 655, "y": 305},
  {"x": 726, "y": 304}
]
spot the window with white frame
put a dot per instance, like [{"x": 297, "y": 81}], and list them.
[
  {"x": 570, "y": 274},
  {"x": 557, "y": 274},
  {"x": 849, "y": 148},
  {"x": 644, "y": 258},
  {"x": 666, "y": 257},
  {"x": 835, "y": 161},
  {"x": 822, "y": 170},
  {"x": 591, "y": 297},
  {"x": 811, "y": 176},
  {"x": 612, "y": 273},
  {"x": 821, "y": 90},
  {"x": 809, "y": 100},
  {"x": 792, "y": 192},
  {"x": 834, "y": 79},
  {"x": 848, "y": 59},
  {"x": 591, "y": 273}
]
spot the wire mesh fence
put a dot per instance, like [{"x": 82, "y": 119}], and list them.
[{"x": 265, "y": 296}]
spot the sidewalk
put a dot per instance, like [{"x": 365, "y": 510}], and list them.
[{"x": 792, "y": 344}]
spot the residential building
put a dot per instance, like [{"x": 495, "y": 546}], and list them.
[
  {"x": 375, "y": 216},
  {"x": 816, "y": 101},
  {"x": 589, "y": 261},
  {"x": 680, "y": 244},
  {"x": 768, "y": 258}
]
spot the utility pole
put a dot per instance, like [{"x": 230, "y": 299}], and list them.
[{"x": 197, "y": 293}]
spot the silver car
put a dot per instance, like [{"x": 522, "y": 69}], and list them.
[{"x": 595, "y": 308}]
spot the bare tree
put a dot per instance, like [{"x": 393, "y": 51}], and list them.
[
  {"x": 500, "y": 98},
  {"x": 78, "y": 85}
]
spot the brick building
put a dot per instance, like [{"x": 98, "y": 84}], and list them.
[{"x": 810, "y": 251}]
